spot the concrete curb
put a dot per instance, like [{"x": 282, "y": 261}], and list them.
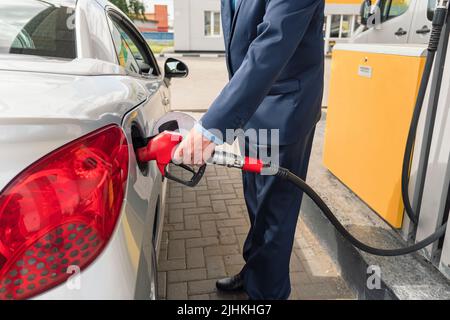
[
  {"x": 348, "y": 259},
  {"x": 191, "y": 55}
]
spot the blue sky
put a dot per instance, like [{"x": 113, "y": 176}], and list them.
[{"x": 150, "y": 3}]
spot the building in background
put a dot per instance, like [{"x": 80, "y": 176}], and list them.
[
  {"x": 341, "y": 21},
  {"x": 197, "y": 25},
  {"x": 158, "y": 21}
]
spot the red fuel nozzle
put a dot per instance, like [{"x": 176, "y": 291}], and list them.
[
  {"x": 232, "y": 160},
  {"x": 252, "y": 165},
  {"x": 160, "y": 148}
]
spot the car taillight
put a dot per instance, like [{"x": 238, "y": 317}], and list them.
[{"x": 60, "y": 212}]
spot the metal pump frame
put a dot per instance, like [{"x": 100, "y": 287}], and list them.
[{"x": 430, "y": 169}]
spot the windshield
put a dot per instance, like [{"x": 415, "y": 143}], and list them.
[{"x": 41, "y": 28}]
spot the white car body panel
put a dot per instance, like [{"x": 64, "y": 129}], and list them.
[{"x": 46, "y": 103}]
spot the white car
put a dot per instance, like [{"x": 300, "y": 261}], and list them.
[
  {"x": 80, "y": 90},
  {"x": 398, "y": 22}
]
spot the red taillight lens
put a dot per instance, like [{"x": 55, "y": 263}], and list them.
[{"x": 61, "y": 212}]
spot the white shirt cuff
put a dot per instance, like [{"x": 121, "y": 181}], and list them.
[{"x": 208, "y": 135}]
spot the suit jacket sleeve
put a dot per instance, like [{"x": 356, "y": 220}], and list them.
[{"x": 280, "y": 33}]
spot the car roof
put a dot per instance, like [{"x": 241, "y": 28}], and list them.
[
  {"x": 105, "y": 3},
  {"x": 64, "y": 3}
]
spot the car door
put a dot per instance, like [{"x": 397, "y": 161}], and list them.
[
  {"x": 421, "y": 25},
  {"x": 146, "y": 190},
  {"x": 396, "y": 18}
]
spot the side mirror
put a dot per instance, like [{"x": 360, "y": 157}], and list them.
[
  {"x": 365, "y": 11},
  {"x": 174, "y": 68}
]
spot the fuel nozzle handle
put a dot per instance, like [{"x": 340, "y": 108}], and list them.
[
  {"x": 161, "y": 149},
  {"x": 440, "y": 15}
]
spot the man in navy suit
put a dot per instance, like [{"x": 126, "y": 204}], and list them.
[{"x": 275, "y": 57}]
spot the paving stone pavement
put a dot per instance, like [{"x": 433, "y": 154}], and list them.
[{"x": 204, "y": 231}]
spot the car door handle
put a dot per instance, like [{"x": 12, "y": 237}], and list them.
[
  {"x": 400, "y": 32},
  {"x": 424, "y": 30},
  {"x": 166, "y": 101}
]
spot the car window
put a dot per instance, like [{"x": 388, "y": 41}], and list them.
[
  {"x": 431, "y": 8},
  {"x": 131, "y": 38},
  {"x": 395, "y": 8},
  {"x": 37, "y": 28},
  {"x": 123, "y": 50},
  {"x": 134, "y": 49}
]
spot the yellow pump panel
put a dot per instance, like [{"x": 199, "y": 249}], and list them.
[{"x": 372, "y": 95}]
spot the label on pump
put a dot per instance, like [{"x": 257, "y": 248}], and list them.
[{"x": 365, "y": 71}]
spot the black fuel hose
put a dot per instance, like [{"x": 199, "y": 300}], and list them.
[
  {"x": 412, "y": 136},
  {"x": 300, "y": 183},
  {"x": 439, "y": 19}
]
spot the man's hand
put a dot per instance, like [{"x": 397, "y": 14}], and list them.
[{"x": 195, "y": 149}]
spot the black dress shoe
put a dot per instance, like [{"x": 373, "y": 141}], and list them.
[{"x": 231, "y": 284}]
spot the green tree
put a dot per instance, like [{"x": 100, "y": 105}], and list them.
[
  {"x": 135, "y": 9},
  {"x": 122, "y": 5}
]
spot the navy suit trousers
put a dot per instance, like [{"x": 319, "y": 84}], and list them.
[{"x": 273, "y": 206}]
